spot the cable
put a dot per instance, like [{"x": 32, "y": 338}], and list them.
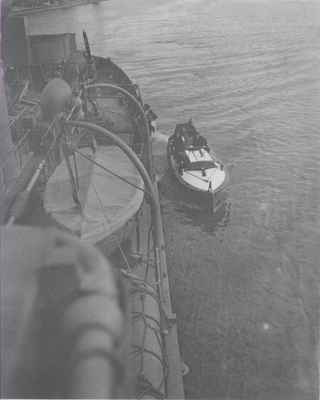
[{"x": 111, "y": 172}]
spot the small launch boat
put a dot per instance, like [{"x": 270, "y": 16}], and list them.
[{"x": 192, "y": 162}]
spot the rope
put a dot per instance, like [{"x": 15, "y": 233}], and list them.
[
  {"x": 112, "y": 172},
  {"x": 146, "y": 388},
  {"x": 15, "y": 118},
  {"x": 138, "y": 280},
  {"x": 139, "y": 350},
  {"x": 145, "y": 317},
  {"x": 99, "y": 199},
  {"x": 106, "y": 220},
  {"x": 14, "y": 149},
  {"x": 21, "y": 140},
  {"x": 139, "y": 314},
  {"x": 49, "y": 129}
]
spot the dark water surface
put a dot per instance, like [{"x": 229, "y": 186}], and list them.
[{"x": 245, "y": 283}]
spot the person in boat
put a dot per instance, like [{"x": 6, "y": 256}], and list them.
[
  {"x": 200, "y": 142},
  {"x": 193, "y": 138},
  {"x": 179, "y": 150},
  {"x": 151, "y": 117}
]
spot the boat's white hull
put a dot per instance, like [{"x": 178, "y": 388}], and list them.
[{"x": 209, "y": 180}]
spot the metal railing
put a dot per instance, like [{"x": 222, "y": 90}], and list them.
[{"x": 36, "y": 153}]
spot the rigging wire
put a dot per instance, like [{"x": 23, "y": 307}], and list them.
[
  {"x": 106, "y": 220},
  {"x": 140, "y": 350},
  {"x": 14, "y": 149},
  {"x": 112, "y": 172},
  {"x": 15, "y": 118},
  {"x": 137, "y": 315}
]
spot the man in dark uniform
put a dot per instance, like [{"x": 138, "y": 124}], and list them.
[
  {"x": 179, "y": 150},
  {"x": 200, "y": 142}
]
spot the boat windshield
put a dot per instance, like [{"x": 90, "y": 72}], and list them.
[
  {"x": 199, "y": 159},
  {"x": 199, "y": 165}
]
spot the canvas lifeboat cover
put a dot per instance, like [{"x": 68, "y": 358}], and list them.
[
  {"x": 204, "y": 173},
  {"x": 107, "y": 202}
]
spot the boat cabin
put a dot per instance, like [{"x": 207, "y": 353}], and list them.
[{"x": 199, "y": 159}]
